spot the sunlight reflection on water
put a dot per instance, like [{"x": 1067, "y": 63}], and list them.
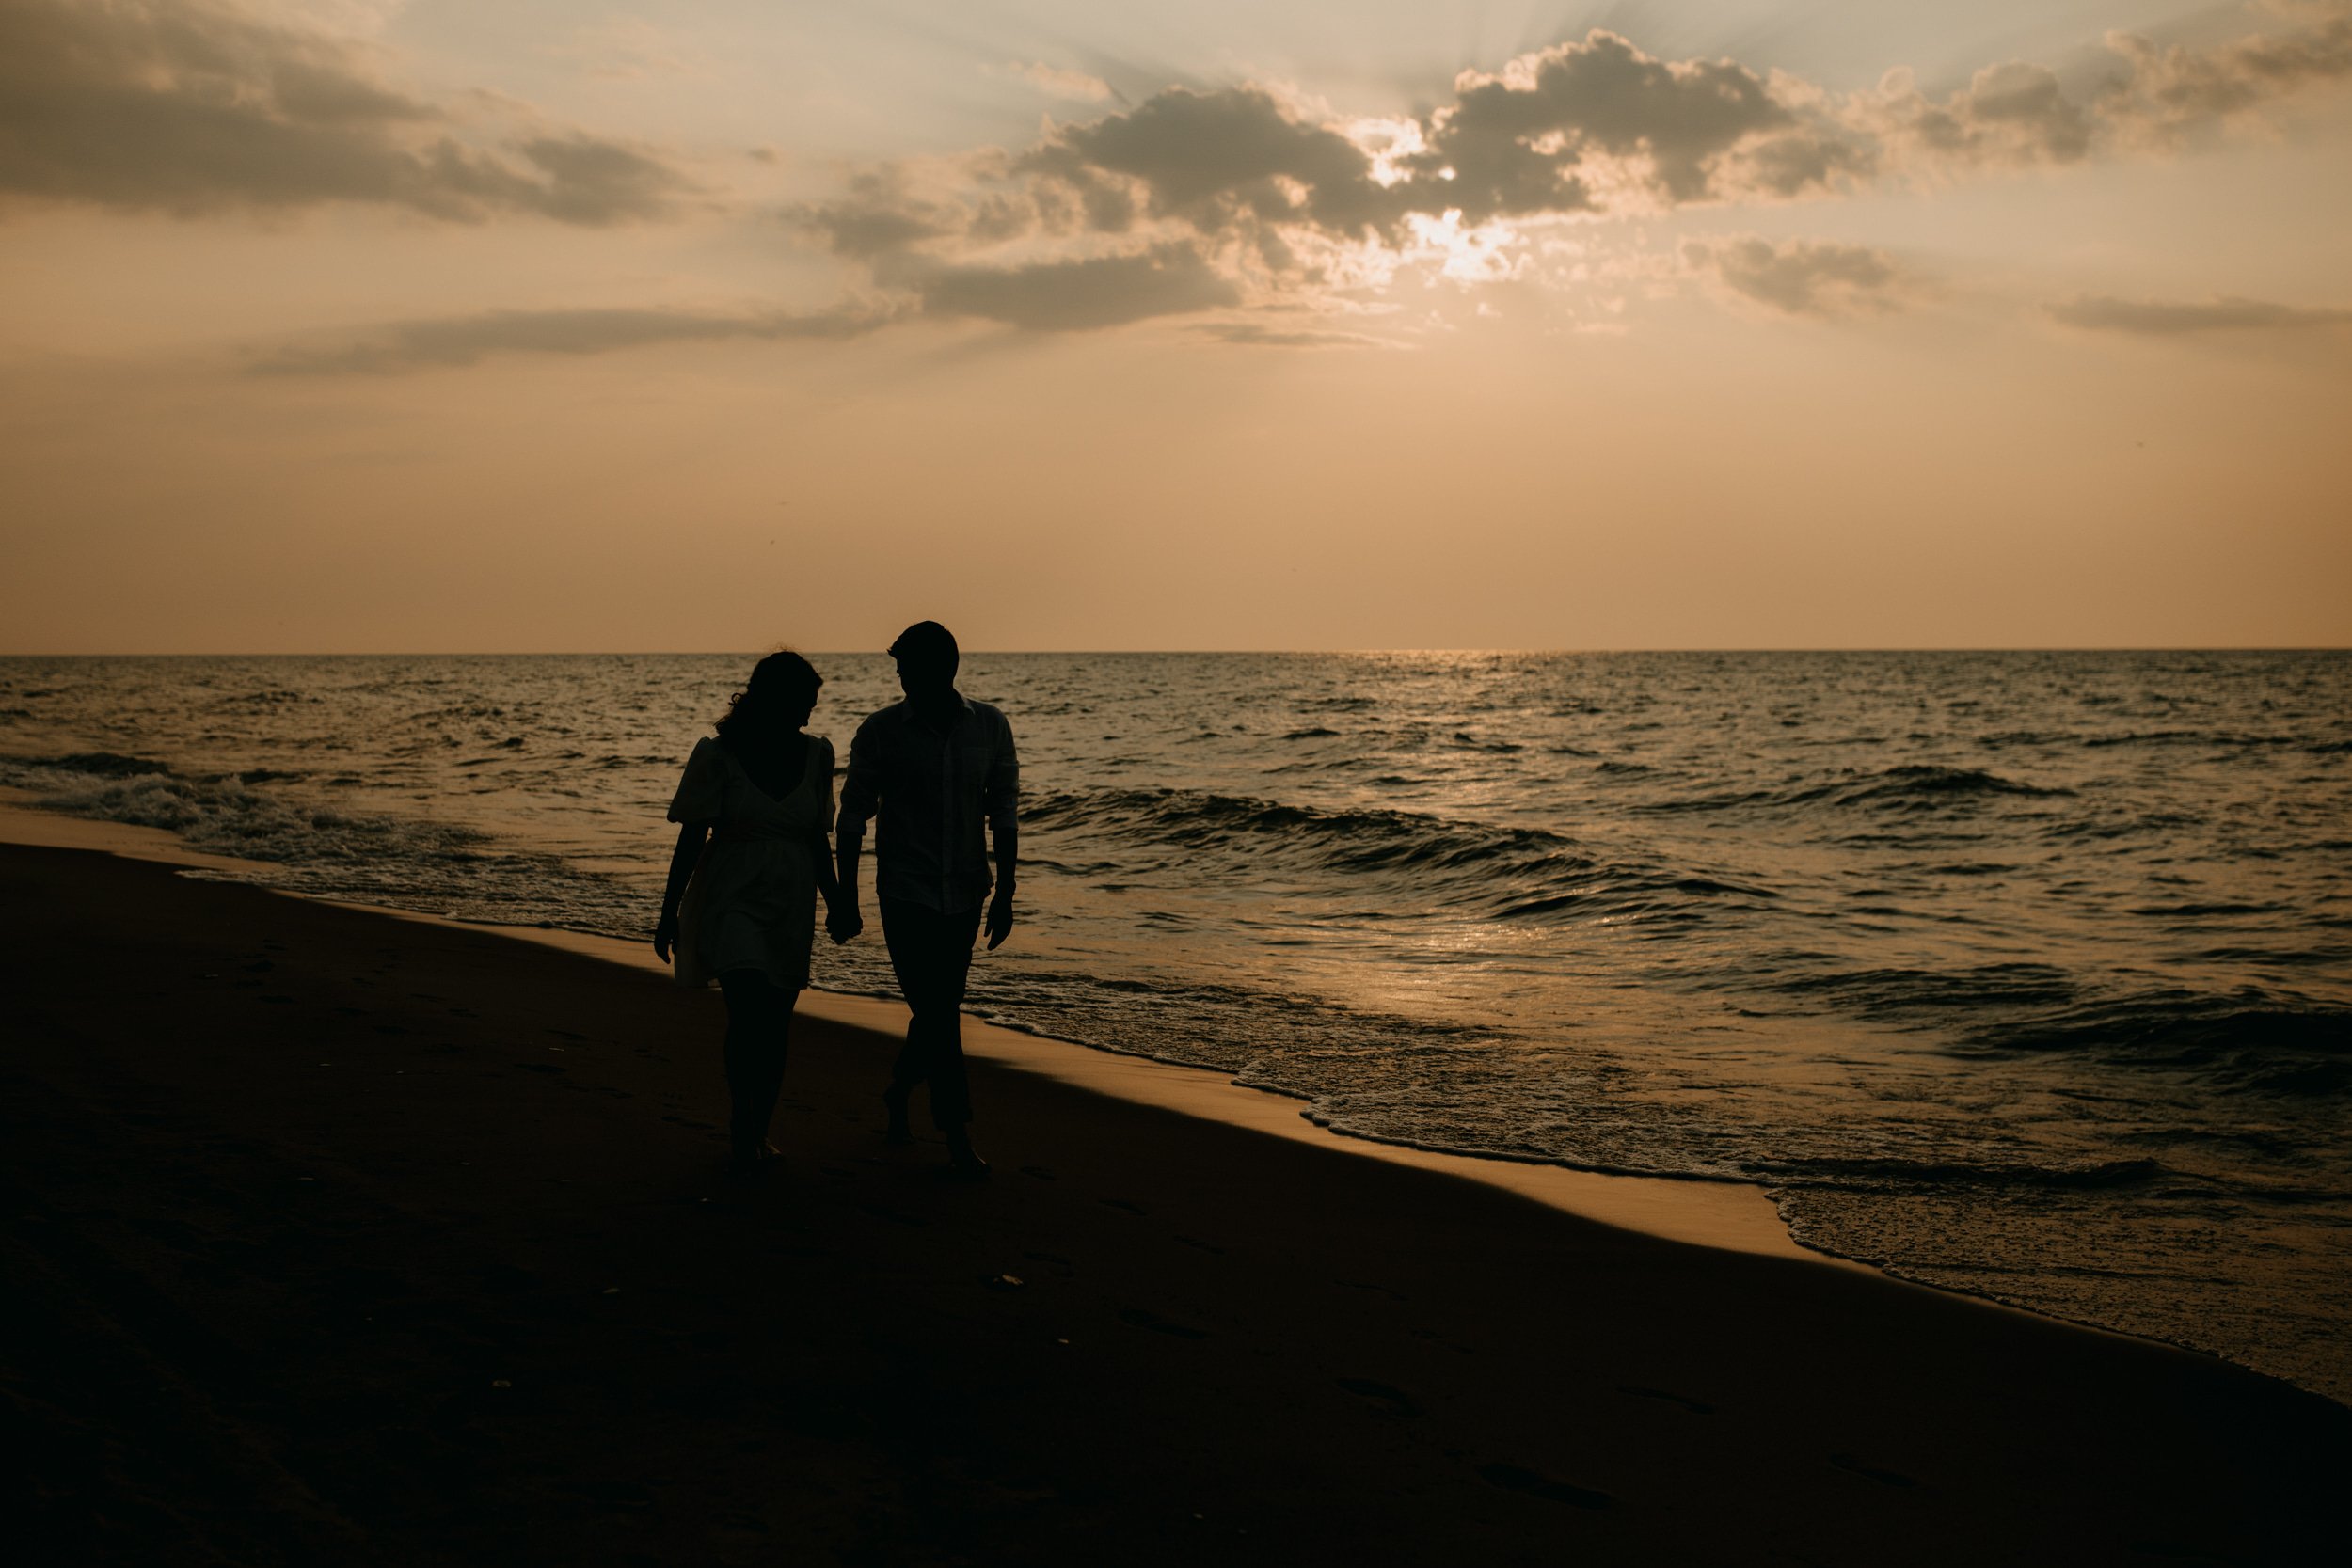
[{"x": 2025, "y": 973}]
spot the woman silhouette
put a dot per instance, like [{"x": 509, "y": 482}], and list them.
[{"x": 742, "y": 910}]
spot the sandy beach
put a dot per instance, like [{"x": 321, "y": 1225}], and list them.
[
  {"x": 339, "y": 1238},
  {"x": 1647, "y": 711}
]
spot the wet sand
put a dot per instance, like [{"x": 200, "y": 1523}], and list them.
[{"x": 339, "y": 1238}]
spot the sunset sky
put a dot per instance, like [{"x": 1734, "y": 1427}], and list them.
[{"x": 518, "y": 324}]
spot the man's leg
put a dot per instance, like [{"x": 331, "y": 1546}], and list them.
[
  {"x": 931, "y": 954},
  {"x": 951, "y": 1091},
  {"x": 905, "y": 933}
]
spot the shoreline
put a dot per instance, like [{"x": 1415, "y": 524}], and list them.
[
  {"x": 1722, "y": 1214},
  {"x": 1733, "y": 1215},
  {"x": 1726, "y": 1214}
]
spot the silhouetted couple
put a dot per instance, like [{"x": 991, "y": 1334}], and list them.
[{"x": 753, "y": 812}]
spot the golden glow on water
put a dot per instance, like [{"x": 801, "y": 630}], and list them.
[{"x": 1976, "y": 961}]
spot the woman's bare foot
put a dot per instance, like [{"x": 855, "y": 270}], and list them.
[{"x": 754, "y": 1164}]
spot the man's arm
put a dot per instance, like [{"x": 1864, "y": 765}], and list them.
[{"x": 1003, "y": 799}]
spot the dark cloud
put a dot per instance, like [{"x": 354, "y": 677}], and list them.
[
  {"x": 1803, "y": 161},
  {"x": 2012, "y": 115},
  {"x": 1258, "y": 335},
  {"x": 2174, "y": 87},
  {"x": 2017, "y": 115},
  {"x": 1524, "y": 141},
  {"x": 1583, "y": 126},
  {"x": 1799, "y": 277},
  {"x": 1048, "y": 296},
  {"x": 1211, "y": 158},
  {"x": 591, "y": 181},
  {"x": 453, "y": 341},
  {"x": 1082, "y": 295},
  {"x": 2172, "y": 319},
  {"x": 878, "y": 219},
  {"x": 192, "y": 108}
]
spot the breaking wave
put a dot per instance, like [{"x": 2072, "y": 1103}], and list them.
[{"x": 1503, "y": 873}]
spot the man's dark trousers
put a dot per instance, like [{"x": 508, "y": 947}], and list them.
[{"x": 932, "y": 955}]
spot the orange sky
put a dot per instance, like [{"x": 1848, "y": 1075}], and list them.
[{"x": 378, "y": 327}]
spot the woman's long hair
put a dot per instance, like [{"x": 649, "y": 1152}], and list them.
[{"x": 772, "y": 705}]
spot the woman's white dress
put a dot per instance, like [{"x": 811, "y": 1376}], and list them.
[{"x": 752, "y": 902}]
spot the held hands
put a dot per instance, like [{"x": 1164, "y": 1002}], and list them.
[
  {"x": 842, "y": 921},
  {"x": 665, "y": 934},
  {"x": 999, "y": 918}
]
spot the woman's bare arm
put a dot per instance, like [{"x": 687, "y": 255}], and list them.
[
  {"x": 820, "y": 856},
  {"x": 682, "y": 860}
]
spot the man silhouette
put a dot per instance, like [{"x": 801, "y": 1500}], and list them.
[{"x": 938, "y": 767}]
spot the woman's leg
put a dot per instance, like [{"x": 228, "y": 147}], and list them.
[{"x": 759, "y": 1024}]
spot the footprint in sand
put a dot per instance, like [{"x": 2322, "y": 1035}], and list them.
[
  {"x": 1695, "y": 1406},
  {"x": 1395, "y": 1400},
  {"x": 1518, "y": 1477},
  {"x": 1885, "y": 1477},
  {"x": 1145, "y": 1317}
]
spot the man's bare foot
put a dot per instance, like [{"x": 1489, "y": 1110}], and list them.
[{"x": 754, "y": 1164}]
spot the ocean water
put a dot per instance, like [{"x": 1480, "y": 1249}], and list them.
[{"x": 2024, "y": 974}]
